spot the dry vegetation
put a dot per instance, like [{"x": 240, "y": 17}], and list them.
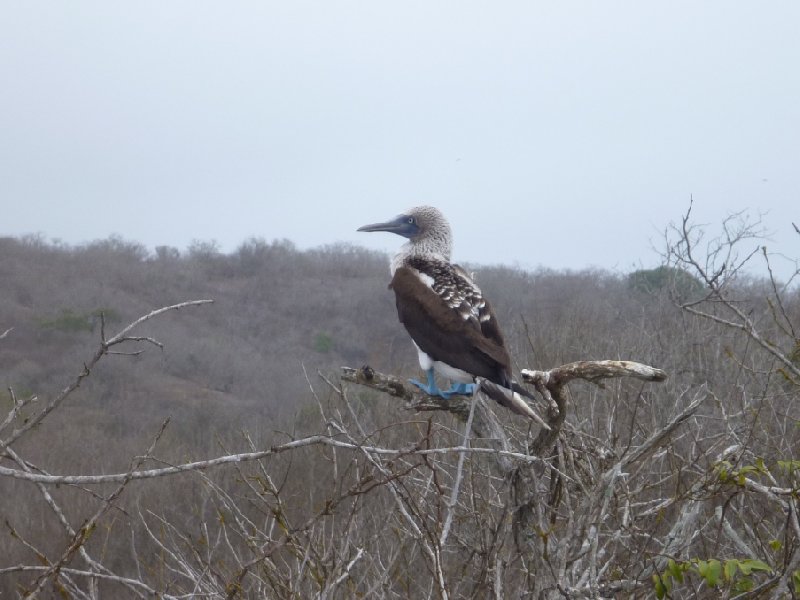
[{"x": 213, "y": 450}]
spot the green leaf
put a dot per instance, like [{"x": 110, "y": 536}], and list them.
[
  {"x": 776, "y": 545},
  {"x": 661, "y": 591},
  {"x": 675, "y": 570},
  {"x": 730, "y": 568},
  {"x": 789, "y": 466},
  {"x": 714, "y": 572},
  {"x": 710, "y": 570},
  {"x": 753, "y": 564},
  {"x": 701, "y": 566}
]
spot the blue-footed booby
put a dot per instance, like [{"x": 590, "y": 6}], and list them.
[{"x": 450, "y": 322}]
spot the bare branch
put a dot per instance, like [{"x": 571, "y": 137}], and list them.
[
  {"x": 416, "y": 399},
  {"x": 594, "y": 371},
  {"x": 122, "y": 335},
  {"x": 314, "y": 440},
  {"x": 17, "y": 405},
  {"x": 459, "y": 473},
  {"x": 659, "y": 437},
  {"x": 485, "y": 424}
]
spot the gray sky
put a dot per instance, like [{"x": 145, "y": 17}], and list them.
[{"x": 558, "y": 134}]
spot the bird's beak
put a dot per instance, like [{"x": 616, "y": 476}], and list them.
[{"x": 400, "y": 226}]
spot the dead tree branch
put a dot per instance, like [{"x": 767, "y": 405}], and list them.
[
  {"x": 200, "y": 465},
  {"x": 550, "y": 384}
]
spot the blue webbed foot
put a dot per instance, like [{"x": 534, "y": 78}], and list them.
[
  {"x": 429, "y": 388},
  {"x": 463, "y": 389}
]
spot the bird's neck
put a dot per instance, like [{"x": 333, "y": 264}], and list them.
[{"x": 430, "y": 248}]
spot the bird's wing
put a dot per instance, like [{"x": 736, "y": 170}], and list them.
[
  {"x": 480, "y": 307},
  {"x": 457, "y": 289},
  {"x": 448, "y": 318}
]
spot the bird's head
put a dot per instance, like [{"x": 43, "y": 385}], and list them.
[
  {"x": 417, "y": 223},
  {"x": 425, "y": 227}
]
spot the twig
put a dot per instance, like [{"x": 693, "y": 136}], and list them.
[
  {"x": 451, "y": 503},
  {"x": 656, "y": 439},
  {"x": 123, "y": 335},
  {"x": 17, "y": 405}
]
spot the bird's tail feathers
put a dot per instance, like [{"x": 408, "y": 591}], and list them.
[
  {"x": 512, "y": 399},
  {"x": 522, "y": 391}
]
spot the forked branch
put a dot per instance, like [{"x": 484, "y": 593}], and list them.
[{"x": 550, "y": 385}]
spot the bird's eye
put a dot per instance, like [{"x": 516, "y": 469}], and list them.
[{"x": 410, "y": 220}]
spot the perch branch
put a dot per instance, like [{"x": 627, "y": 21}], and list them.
[
  {"x": 550, "y": 385},
  {"x": 485, "y": 424},
  {"x": 414, "y": 397},
  {"x": 594, "y": 371}
]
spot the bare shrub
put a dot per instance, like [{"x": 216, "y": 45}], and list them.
[{"x": 682, "y": 489}]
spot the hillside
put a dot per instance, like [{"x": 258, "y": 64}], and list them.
[{"x": 275, "y": 309}]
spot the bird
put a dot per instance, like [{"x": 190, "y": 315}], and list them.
[{"x": 450, "y": 322}]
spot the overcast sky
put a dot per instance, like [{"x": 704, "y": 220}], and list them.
[{"x": 558, "y": 134}]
